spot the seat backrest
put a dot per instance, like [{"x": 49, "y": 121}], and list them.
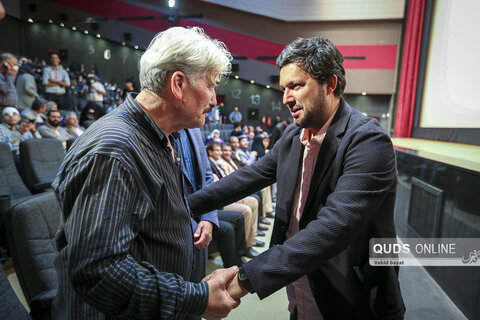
[
  {"x": 10, "y": 181},
  {"x": 41, "y": 159},
  {"x": 10, "y": 307},
  {"x": 31, "y": 226}
]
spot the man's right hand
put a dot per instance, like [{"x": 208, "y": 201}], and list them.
[{"x": 219, "y": 301}]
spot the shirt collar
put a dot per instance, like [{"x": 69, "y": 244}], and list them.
[
  {"x": 136, "y": 110},
  {"x": 318, "y": 138}
]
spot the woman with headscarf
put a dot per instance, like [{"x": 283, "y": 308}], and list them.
[
  {"x": 214, "y": 136},
  {"x": 26, "y": 86}
]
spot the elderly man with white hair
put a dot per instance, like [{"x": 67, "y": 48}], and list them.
[{"x": 125, "y": 242}]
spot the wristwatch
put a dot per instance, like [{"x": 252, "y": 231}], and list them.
[{"x": 244, "y": 280}]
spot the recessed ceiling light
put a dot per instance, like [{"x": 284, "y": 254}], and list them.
[
  {"x": 268, "y": 87},
  {"x": 236, "y": 77},
  {"x": 62, "y": 25},
  {"x": 98, "y": 35},
  {"x": 251, "y": 81},
  {"x": 30, "y": 20},
  {"x": 136, "y": 47},
  {"x": 74, "y": 28},
  {"x": 123, "y": 43},
  {"x": 50, "y": 21},
  {"x": 86, "y": 31},
  {"x": 364, "y": 93}
]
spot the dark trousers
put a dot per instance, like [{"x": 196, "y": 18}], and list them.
[
  {"x": 230, "y": 237},
  {"x": 58, "y": 98}
]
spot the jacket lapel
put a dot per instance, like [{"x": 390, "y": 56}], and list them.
[
  {"x": 328, "y": 150},
  {"x": 196, "y": 145}
]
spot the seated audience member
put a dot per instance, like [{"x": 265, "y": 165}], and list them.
[
  {"x": 245, "y": 156},
  {"x": 90, "y": 114},
  {"x": 71, "y": 124},
  {"x": 26, "y": 86},
  {"x": 237, "y": 130},
  {"x": 13, "y": 133},
  {"x": 234, "y": 142},
  {"x": 229, "y": 166},
  {"x": 52, "y": 128},
  {"x": 260, "y": 144},
  {"x": 52, "y": 105},
  {"x": 36, "y": 112},
  {"x": 214, "y": 136},
  {"x": 248, "y": 206}
]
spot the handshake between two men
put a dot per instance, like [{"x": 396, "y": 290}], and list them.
[{"x": 225, "y": 292}]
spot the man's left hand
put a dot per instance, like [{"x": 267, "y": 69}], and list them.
[{"x": 203, "y": 235}]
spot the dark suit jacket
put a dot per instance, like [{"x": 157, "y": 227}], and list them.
[
  {"x": 205, "y": 178},
  {"x": 350, "y": 200}
]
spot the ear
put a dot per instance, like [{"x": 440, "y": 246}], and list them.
[
  {"x": 331, "y": 84},
  {"x": 178, "y": 82}
]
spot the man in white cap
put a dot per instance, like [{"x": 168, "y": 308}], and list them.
[{"x": 14, "y": 133}]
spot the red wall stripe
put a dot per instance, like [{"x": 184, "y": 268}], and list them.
[{"x": 376, "y": 56}]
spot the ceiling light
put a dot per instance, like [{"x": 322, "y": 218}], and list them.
[
  {"x": 62, "y": 25},
  {"x": 251, "y": 81},
  {"x": 74, "y": 28},
  {"x": 171, "y": 3},
  {"x": 98, "y": 35},
  {"x": 364, "y": 93},
  {"x": 50, "y": 21},
  {"x": 136, "y": 47},
  {"x": 268, "y": 87},
  {"x": 86, "y": 31},
  {"x": 30, "y": 20},
  {"x": 123, "y": 43},
  {"x": 236, "y": 77}
]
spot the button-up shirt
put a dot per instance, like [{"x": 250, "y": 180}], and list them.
[
  {"x": 58, "y": 74},
  {"x": 299, "y": 293},
  {"x": 125, "y": 241}
]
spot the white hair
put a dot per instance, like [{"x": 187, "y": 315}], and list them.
[{"x": 188, "y": 50}]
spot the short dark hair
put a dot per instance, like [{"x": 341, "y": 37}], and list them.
[
  {"x": 213, "y": 144},
  {"x": 49, "y": 112},
  {"x": 318, "y": 57},
  {"x": 38, "y": 104}
]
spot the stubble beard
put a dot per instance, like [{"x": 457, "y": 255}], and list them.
[{"x": 313, "y": 117}]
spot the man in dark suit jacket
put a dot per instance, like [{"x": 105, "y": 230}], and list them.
[{"x": 327, "y": 209}]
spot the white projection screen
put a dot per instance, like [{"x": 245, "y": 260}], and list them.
[{"x": 451, "y": 95}]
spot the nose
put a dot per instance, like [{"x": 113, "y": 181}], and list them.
[
  {"x": 288, "y": 99},
  {"x": 213, "y": 99}
]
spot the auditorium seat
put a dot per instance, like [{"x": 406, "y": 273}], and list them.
[
  {"x": 31, "y": 226},
  {"x": 41, "y": 159},
  {"x": 10, "y": 181}
]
